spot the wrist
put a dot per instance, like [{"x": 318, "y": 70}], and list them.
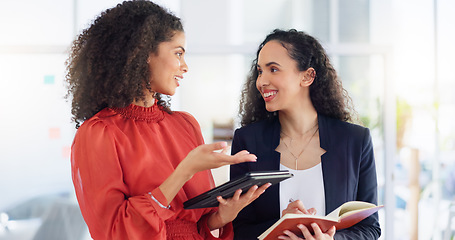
[
  {"x": 184, "y": 172},
  {"x": 215, "y": 221}
]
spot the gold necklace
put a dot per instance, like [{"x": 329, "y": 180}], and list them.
[
  {"x": 303, "y": 134},
  {"x": 303, "y": 149}
]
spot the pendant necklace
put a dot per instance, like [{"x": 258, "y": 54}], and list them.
[{"x": 304, "y": 147}]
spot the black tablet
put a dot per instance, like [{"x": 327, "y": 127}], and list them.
[{"x": 227, "y": 190}]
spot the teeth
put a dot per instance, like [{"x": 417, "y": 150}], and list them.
[
  {"x": 177, "y": 78},
  {"x": 268, "y": 94}
]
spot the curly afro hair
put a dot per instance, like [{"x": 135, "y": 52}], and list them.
[
  {"x": 327, "y": 94},
  {"x": 107, "y": 65}
]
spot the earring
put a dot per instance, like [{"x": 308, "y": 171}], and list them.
[{"x": 313, "y": 74}]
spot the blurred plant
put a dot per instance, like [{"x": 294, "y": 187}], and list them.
[
  {"x": 404, "y": 116},
  {"x": 371, "y": 116}
]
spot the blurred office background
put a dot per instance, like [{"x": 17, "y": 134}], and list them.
[{"x": 395, "y": 58}]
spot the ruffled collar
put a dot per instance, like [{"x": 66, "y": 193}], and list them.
[{"x": 150, "y": 114}]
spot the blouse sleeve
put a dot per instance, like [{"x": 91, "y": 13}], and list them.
[{"x": 102, "y": 194}]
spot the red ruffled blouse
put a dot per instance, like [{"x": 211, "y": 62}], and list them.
[{"x": 120, "y": 157}]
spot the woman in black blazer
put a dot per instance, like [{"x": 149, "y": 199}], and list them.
[{"x": 296, "y": 116}]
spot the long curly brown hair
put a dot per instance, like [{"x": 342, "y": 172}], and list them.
[
  {"x": 327, "y": 93},
  {"x": 107, "y": 65}
]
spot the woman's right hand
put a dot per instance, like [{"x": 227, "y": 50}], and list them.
[
  {"x": 205, "y": 157},
  {"x": 298, "y": 207}
]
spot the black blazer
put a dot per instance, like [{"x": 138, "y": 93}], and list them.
[{"x": 348, "y": 168}]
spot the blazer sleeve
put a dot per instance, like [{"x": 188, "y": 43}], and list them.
[
  {"x": 246, "y": 225},
  {"x": 366, "y": 191}
]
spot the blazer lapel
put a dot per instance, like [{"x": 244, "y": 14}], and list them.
[
  {"x": 272, "y": 162},
  {"x": 328, "y": 161},
  {"x": 271, "y": 139}
]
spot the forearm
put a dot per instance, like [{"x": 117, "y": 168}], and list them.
[{"x": 172, "y": 185}]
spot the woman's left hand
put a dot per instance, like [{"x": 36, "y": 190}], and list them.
[
  {"x": 318, "y": 234},
  {"x": 228, "y": 209}
]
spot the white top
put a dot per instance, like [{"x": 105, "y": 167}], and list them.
[{"x": 307, "y": 186}]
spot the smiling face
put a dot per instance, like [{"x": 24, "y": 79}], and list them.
[
  {"x": 279, "y": 81},
  {"x": 167, "y": 65}
]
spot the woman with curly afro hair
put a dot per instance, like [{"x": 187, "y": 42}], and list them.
[
  {"x": 296, "y": 116},
  {"x": 134, "y": 161}
]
